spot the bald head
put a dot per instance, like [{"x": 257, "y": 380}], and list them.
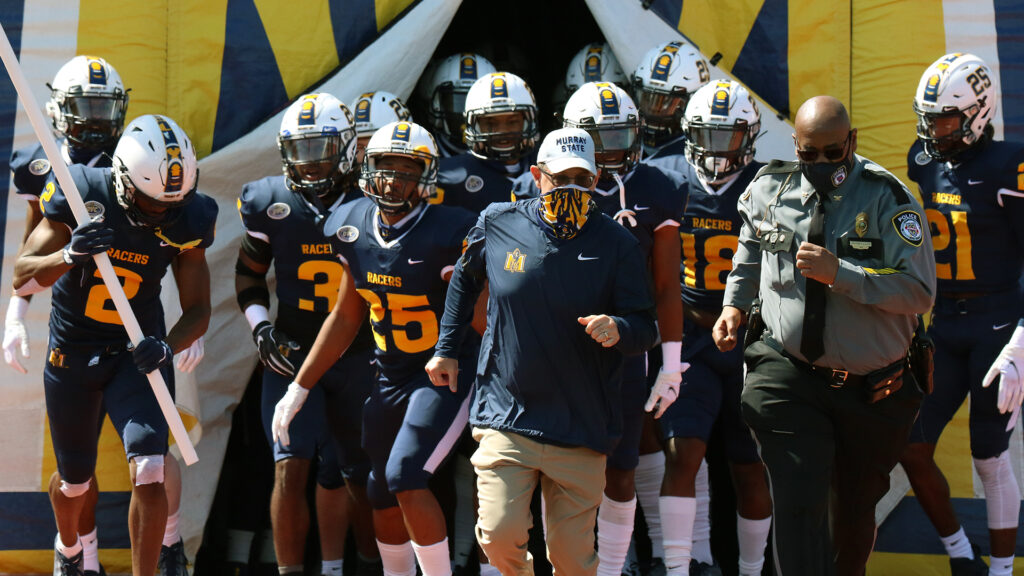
[{"x": 822, "y": 122}]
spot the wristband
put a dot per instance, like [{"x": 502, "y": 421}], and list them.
[
  {"x": 16, "y": 308},
  {"x": 671, "y": 354},
  {"x": 255, "y": 314}
]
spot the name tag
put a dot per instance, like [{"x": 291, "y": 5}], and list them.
[{"x": 863, "y": 248}]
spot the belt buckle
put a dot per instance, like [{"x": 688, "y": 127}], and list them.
[{"x": 839, "y": 378}]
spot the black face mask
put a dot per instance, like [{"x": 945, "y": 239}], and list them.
[{"x": 827, "y": 176}]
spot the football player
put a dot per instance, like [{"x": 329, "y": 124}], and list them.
[
  {"x": 449, "y": 86},
  {"x": 595, "y": 62},
  {"x": 649, "y": 202},
  {"x": 501, "y": 132},
  {"x": 373, "y": 110},
  {"x": 283, "y": 218},
  {"x": 721, "y": 123},
  {"x": 398, "y": 253},
  {"x": 147, "y": 215},
  {"x": 973, "y": 194}
]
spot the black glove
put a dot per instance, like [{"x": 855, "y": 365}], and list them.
[
  {"x": 274, "y": 346},
  {"x": 151, "y": 354},
  {"x": 88, "y": 239}
]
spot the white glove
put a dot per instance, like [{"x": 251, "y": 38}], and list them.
[
  {"x": 190, "y": 357},
  {"x": 285, "y": 411},
  {"x": 15, "y": 333},
  {"x": 1009, "y": 366}
]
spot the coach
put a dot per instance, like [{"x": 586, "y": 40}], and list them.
[{"x": 569, "y": 295}]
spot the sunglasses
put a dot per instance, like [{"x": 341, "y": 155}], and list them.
[
  {"x": 560, "y": 180},
  {"x": 832, "y": 152}
]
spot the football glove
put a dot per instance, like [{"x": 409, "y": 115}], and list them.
[
  {"x": 151, "y": 354},
  {"x": 88, "y": 239},
  {"x": 665, "y": 390},
  {"x": 15, "y": 333},
  {"x": 1009, "y": 367},
  {"x": 190, "y": 357},
  {"x": 274, "y": 346},
  {"x": 285, "y": 411}
]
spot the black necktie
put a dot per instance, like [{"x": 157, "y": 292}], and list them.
[{"x": 812, "y": 343}]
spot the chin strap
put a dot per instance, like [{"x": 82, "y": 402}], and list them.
[{"x": 625, "y": 214}]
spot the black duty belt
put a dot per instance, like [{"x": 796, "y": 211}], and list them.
[{"x": 836, "y": 377}]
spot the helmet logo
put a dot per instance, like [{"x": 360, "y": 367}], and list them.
[
  {"x": 175, "y": 168},
  {"x": 307, "y": 114},
  {"x": 467, "y": 70},
  {"x": 720, "y": 102},
  {"x": 97, "y": 74},
  {"x": 672, "y": 47},
  {"x": 363, "y": 110},
  {"x": 609, "y": 102},
  {"x": 931, "y": 90},
  {"x": 661, "y": 67},
  {"x": 401, "y": 132},
  {"x": 592, "y": 66},
  {"x": 499, "y": 88}
]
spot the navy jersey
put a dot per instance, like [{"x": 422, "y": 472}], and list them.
[
  {"x": 709, "y": 233},
  {"x": 83, "y": 312},
  {"x": 473, "y": 183},
  {"x": 668, "y": 156},
  {"x": 402, "y": 280},
  {"x": 655, "y": 196},
  {"x": 30, "y": 170},
  {"x": 976, "y": 212}
]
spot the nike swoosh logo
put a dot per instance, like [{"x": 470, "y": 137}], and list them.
[
  {"x": 583, "y": 258},
  {"x": 413, "y": 262},
  {"x": 164, "y": 244},
  {"x": 974, "y": 182},
  {"x": 1001, "y": 326},
  {"x": 637, "y": 207}
]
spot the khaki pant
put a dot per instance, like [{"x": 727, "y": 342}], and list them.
[{"x": 508, "y": 468}]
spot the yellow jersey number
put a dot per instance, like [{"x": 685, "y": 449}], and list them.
[
  {"x": 96, "y": 304},
  {"x": 718, "y": 251},
  {"x": 402, "y": 308},
  {"x": 326, "y": 277},
  {"x": 960, "y": 235}
]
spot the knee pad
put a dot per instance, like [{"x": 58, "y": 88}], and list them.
[
  {"x": 149, "y": 469},
  {"x": 74, "y": 490},
  {"x": 1002, "y": 494}
]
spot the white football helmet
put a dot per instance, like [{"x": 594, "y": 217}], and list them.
[
  {"x": 495, "y": 94},
  {"x": 155, "y": 170},
  {"x": 662, "y": 85},
  {"x": 721, "y": 124},
  {"x": 375, "y": 109},
  {"x": 956, "y": 100},
  {"x": 451, "y": 83},
  {"x": 88, "y": 103},
  {"x": 406, "y": 139},
  {"x": 595, "y": 62},
  {"x": 317, "y": 142},
  {"x": 608, "y": 114}
]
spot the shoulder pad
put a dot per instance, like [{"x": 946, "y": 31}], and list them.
[
  {"x": 345, "y": 215},
  {"x": 875, "y": 172},
  {"x": 778, "y": 167}
]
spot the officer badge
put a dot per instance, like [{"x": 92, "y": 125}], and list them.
[
  {"x": 39, "y": 167},
  {"x": 839, "y": 176},
  {"x": 908, "y": 226},
  {"x": 348, "y": 233},
  {"x": 95, "y": 209},
  {"x": 922, "y": 158},
  {"x": 860, "y": 225},
  {"x": 474, "y": 183},
  {"x": 278, "y": 211}
]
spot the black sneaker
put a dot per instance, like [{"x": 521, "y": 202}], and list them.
[
  {"x": 172, "y": 560},
  {"x": 63, "y": 566},
  {"x": 969, "y": 566},
  {"x": 702, "y": 569}
]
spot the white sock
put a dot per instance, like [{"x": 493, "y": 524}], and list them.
[
  {"x": 677, "y": 523},
  {"x": 957, "y": 545},
  {"x": 701, "y": 550},
  {"x": 239, "y": 546},
  {"x": 433, "y": 558},
  {"x": 464, "y": 519},
  {"x": 397, "y": 559},
  {"x": 171, "y": 535},
  {"x": 331, "y": 567},
  {"x": 90, "y": 551},
  {"x": 68, "y": 551},
  {"x": 753, "y": 537},
  {"x": 648, "y": 477},
  {"x": 1000, "y": 566},
  {"x": 614, "y": 530},
  {"x": 488, "y": 570}
]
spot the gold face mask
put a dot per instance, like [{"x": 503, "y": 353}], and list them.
[{"x": 566, "y": 210}]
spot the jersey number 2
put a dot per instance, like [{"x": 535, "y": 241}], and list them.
[
  {"x": 96, "y": 304},
  {"x": 940, "y": 241}
]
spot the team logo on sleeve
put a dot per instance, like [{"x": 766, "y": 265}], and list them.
[
  {"x": 474, "y": 183},
  {"x": 279, "y": 211},
  {"x": 922, "y": 158},
  {"x": 908, "y": 226},
  {"x": 348, "y": 233},
  {"x": 39, "y": 167},
  {"x": 95, "y": 209}
]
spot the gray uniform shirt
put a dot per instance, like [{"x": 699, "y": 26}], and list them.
[{"x": 886, "y": 263}]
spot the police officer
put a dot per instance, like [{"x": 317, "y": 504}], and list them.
[{"x": 835, "y": 248}]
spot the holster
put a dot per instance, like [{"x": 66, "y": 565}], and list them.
[
  {"x": 922, "y": 358},
  {"x": 884, "y": 382},
  {"x": 755, "y": 324}
]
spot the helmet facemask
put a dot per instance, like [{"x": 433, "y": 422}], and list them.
[
  {"x": 397, "y": 191},
  {"x": 449, "y": 103},
  {"x": 316, "y": 163},
  {"x": 486, "y": 142},
  {"x": 661, "y": 112},
  {"x": 718, "y": 151},
  {"x": 948, "y": 133},
  {"x": 90, "y": 121},
  {"x": 621, "y": 139},
  {"x": 141, "y": 209}
]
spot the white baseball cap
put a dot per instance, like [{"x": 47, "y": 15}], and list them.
[{"x": 567, "y": 148}]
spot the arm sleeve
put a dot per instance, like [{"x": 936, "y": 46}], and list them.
[
  {"x": 634, "y": 304},
  {"x": 467, "y": 282},
  {"x": 906, "y": 284},
  {"x": 744, "y": 280}
]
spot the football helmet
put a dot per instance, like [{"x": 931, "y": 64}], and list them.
[
  {"x": 608, "y": 114},
  {"x": 721, "y": 124},
  {"x": 375, "y": 109},
  {"x": 662, "y": 85},
  {"x": 88, "y": 103},
  {"x": 955, "y": 102},
  {"x": 496, "y": 94},
  {"x": 317, "y": 142},
  {"x": 595, "y": 62},
  {"x": 406, "y": 139},
  {"x": 451, "y": 83},
  {"x": 155, "y": 170}
]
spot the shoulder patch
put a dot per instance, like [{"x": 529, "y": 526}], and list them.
[
  {"x": 778, "y": 167},
  {"x": 39, "y": 167},
  {"x": 278, "y": 211},
  {"x": 922, "y": 158},
  {"x": 348, "y": 233},
  {"x": 908, "y": 225},
  {"x": 876, "y": 172},
  {"x": 474, "y": 183},
  {"x": 95, "y": 209}
]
